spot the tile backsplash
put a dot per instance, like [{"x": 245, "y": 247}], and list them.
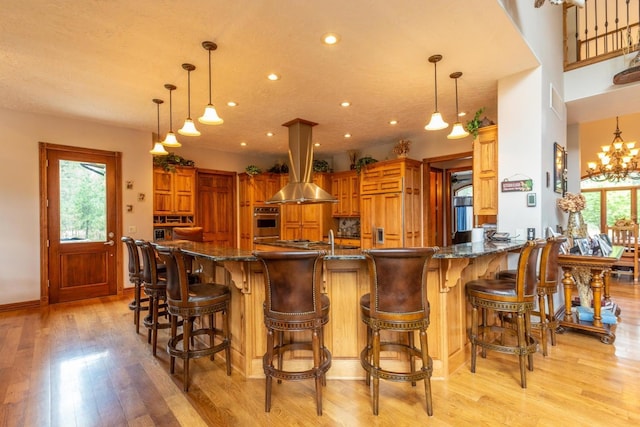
[{"x": 348, "y": 227}]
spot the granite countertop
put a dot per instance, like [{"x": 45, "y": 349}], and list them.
[{"x": 216, "y": 253}]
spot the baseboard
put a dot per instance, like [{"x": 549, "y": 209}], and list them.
[{"x": 19, "y": 306}]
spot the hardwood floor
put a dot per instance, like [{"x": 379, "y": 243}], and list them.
[{"x": 82, "y": 364}]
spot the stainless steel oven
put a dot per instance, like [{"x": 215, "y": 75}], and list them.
[{"x": 266, "y": 222}]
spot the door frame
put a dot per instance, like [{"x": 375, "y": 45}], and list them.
[
  {"x": 438, "y": 164},
  {"x": 43, "y": 147}
]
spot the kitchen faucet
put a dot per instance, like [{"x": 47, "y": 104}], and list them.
[{"x": 332, "y": 241}]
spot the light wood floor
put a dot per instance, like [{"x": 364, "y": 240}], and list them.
[{"x": 81, "y": 364}]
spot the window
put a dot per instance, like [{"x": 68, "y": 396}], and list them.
[{"x": 607, "y": 202}]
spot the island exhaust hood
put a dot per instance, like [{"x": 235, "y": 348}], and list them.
[{"x": 301, "y": 188}]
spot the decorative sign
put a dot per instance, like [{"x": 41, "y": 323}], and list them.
[{"x": 518, "y": 185}]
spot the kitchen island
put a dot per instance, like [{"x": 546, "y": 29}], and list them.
[{"x": 345, "y": 281}]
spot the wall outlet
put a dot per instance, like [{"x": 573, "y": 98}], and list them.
[{"x": 133, "y": 229}]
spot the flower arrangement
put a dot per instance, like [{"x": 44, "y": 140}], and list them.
[
  {"x": 572, "y": 202},
  {"x": 170, "y": 161},
  {"x": 402, "y": 147}
]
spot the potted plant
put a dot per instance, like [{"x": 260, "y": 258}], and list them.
[
  {"x": 476, "y": 123},
  {"x": 253, "y": 170},
  {"x": 401, "y": 149},
  {"x": 170, "y": 161},
  {"x": 364, "y": 161}
]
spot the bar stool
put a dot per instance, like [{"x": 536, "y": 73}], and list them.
[
  {"x": 195, "y": 234},
  {"x": 294, "y": 303},
  {"x": 547, "y": 287},
  {"x": 510, "y": 299},
  {"x": 187, "y": 302},
  {"x": 156, "y": 289},
  {"x": 397, "y": 302},
  {"x": 135, "y": 277}
]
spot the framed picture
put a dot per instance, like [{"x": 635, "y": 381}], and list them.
[
  {"x": 559, "y": 168},
  {"x": 583, "y": 246}
]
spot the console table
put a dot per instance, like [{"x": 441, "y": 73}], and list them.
[{"x": 599, "y": 267}]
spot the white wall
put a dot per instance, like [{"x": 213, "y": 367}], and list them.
[{"x": 19, "y": 187}]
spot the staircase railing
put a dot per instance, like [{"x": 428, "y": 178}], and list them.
[{"x": 600, "y": 30}]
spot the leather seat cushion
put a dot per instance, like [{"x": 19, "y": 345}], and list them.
[
  {"x": 496, "y": 287},
  {"x": 204, "y": 292}
]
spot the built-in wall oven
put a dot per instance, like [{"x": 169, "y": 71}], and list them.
[{"x": 266, "y": 223}]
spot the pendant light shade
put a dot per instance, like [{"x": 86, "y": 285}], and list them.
[
  {"x": 189, "y": 128},
  {"x": 170, "y": 140},
  {"x": 210, "y": 116},
  {"x": 158, "y": 148},
  {"x": 458, "y": 131},
  {"x": 436, "y": 122}
]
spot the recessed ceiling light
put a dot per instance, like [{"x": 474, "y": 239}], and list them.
[
  {"x": 330, "y": 39},
  {"x": 269, "y": 133},
  {"x": 347, "y": 135},
  {"x": 232, "y": 104},
  {"x": 345, "y": 104},
  {"x": 243, "y": 144},
  {"x": 273, "y": 77},
  {"x": 393, "y": 122},
  {"x": 462, "y": 114},
  {"x": 316, "y": 144}
]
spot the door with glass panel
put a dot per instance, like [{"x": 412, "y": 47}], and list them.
[{"x": 81, "y": 222}]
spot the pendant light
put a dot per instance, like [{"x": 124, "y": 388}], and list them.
[
  {"x": 436, "y": 122},
  {"x": 189, "y": 129},
  {"x": 170, "y": 140},
  {"x": 210, "y": 116},
  {"x": 158, "y": 148},
  {"x": 458, "y": 131}
]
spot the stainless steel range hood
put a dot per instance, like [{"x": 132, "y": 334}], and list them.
[{"x": 301, "y": 188}]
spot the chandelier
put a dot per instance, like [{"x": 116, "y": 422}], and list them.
[{"x": 618, "y": 161}]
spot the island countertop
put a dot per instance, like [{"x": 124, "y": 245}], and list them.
[{"x": 217, "y": 253}]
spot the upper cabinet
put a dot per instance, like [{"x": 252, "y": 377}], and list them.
[
  {"x": 485, "y": 171},
  {"x": 345, "y": 186},
  {"x": 174, "y": 196},
  {"x": 307, "y": 221}
]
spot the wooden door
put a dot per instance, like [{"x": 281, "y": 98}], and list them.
[
  {"x": 81, "y": 207},
  {"x": 216, "y": 212}
]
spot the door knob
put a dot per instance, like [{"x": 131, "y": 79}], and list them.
[{"x": 110, "y": 243}]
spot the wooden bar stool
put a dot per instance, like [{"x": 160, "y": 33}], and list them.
[
  {"x": 135, "y": 277},
  {"x": 188, "y": 302},
  {"x": 511, "y": 299},
  {"x": 547, "y": 287},
  {"x": 156, "y": 289},
  {"x": 294, "y": 303},
  {"x": 397, "y": 302}
]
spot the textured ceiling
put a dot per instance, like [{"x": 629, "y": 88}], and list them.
[{"x": 105, "y": 60}]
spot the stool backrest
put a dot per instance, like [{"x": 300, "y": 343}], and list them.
[
  {"x": 549, "y": 260},
  {"x": 177, "y": 275},
  {"x": 134, "y": 258},
  {"x": 527, "y": 273},
  {"x": 398, "y": 281},
  {"x": 195, "y": 234},
  {"x": 293, "y": 284},
  {"x": 149, "y": 263}
]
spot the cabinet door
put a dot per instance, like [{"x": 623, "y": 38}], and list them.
[
  {"x": 184, "y": 191},
  {"x": 381, "y": 211},
  {"x": 336, "y": 209},
  {"x": 265, "y": 186},
  {"x": 162, "y": 195},
  {"x": 485, "y": 172},
  {"x": 354, "y": 195},
  {"x": 367, "y": 219}
]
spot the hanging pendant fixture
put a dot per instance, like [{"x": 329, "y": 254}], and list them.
[
  {"x": 158, "y": 148},
  {"x": 458, "y": 131},
  {"x": 189, "y": 128},
  {"x": 436, "y": 122},
  {"x": 170, "y": 140},
  {"x": 210, "y": 116}
]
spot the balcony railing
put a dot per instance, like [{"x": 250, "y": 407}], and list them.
[{"x": 601, "y": 30}]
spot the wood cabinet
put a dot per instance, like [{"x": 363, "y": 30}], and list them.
[
  {"x": 215, "y": 211},
  {"x": 390, "y": 204},
  {"x": 345, "y": 186},
  {"x": 255, "y": 191},
  {"x": 174, "y": 196},
  {"x": 485, "y": 172},
  {"x": 307, "y": 221}
]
